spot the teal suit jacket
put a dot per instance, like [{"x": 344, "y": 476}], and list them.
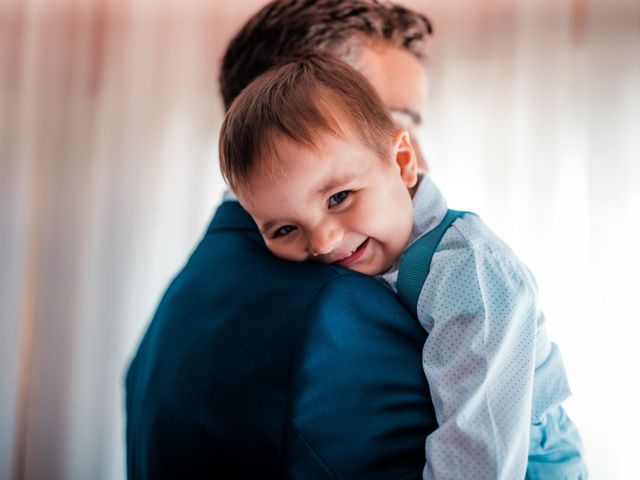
[{"x": 253, "y": 367}]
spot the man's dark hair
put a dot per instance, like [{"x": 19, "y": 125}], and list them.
[
  {"x": 283, "y": 28},
  {"x": 303, "y": 100}
]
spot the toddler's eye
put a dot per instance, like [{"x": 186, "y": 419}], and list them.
[
  {"x": 283, "y": 231},
  {"x": 338, "y": 198}
]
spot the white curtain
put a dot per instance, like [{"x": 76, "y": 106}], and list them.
[{"x": 109, "y": 112}]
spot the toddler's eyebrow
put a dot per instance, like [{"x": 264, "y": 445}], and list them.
[
  {"x": 332, "y": 184},
  {"x": 267, "y": 226}
]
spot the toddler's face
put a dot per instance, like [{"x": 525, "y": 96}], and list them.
[{"x": 337, "y": 204}]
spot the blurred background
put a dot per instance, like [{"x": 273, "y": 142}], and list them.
[{"x": 109, "y": 115}]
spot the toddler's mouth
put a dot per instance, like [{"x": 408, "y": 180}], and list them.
[{"x": 354, "y": 256}]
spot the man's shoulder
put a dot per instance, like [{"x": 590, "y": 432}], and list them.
[
  {"x": 232, "y": 281},
  {"x": 253, "y": 344},
  {"x": 233, "y": 258}
]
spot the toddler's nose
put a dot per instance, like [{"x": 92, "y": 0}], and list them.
[{"x": 324, "y": 240}]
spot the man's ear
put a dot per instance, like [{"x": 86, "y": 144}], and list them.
[{"x": 404, "y": 158}]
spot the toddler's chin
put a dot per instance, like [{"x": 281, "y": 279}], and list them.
[
  {"x": 385, "y": 269},
  {"x": 376, "y": 270}
]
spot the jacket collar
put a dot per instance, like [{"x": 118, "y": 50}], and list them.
[{"x": 231, "y": 216}]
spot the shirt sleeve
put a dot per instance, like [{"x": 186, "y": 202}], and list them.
[{"x": 480, "y": 311}]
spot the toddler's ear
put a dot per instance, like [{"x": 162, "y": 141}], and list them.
[{"x": 404, "y": 157}]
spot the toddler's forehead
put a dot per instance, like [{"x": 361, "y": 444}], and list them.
[
  {"x": 326, "y": 133},
  {"x": 282, "y": 153}
]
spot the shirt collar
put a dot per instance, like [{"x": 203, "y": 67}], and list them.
[
  {"x": 429, "y": 208},
  {"x": 229, "y": 196}
]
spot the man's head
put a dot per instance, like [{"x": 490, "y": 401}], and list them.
[
  {"x": 385, "y": 42},
  {"x": 314, "y": 157}
]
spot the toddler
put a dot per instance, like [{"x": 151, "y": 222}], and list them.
[{"x": 313, "y": 155}]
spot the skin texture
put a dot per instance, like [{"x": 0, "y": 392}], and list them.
[
  {"x": 337, "y": 203},
  {"x": 401, "y": 81}
]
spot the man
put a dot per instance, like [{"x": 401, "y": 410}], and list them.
[
  {"x": 385, "y": 42},
  {"x": 311, "y": 373}
]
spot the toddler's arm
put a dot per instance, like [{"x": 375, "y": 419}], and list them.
[{"x": 481, "y": 313}]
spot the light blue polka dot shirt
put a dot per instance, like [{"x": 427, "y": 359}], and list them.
[{"x": 491, "y": 368}]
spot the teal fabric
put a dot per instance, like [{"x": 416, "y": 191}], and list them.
[
  {"x": 253, "y": 367},
  {"x": 495, "y": 378},
  {"x": 416, "y": 261},
  {"x": 555, "y": 449}
]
